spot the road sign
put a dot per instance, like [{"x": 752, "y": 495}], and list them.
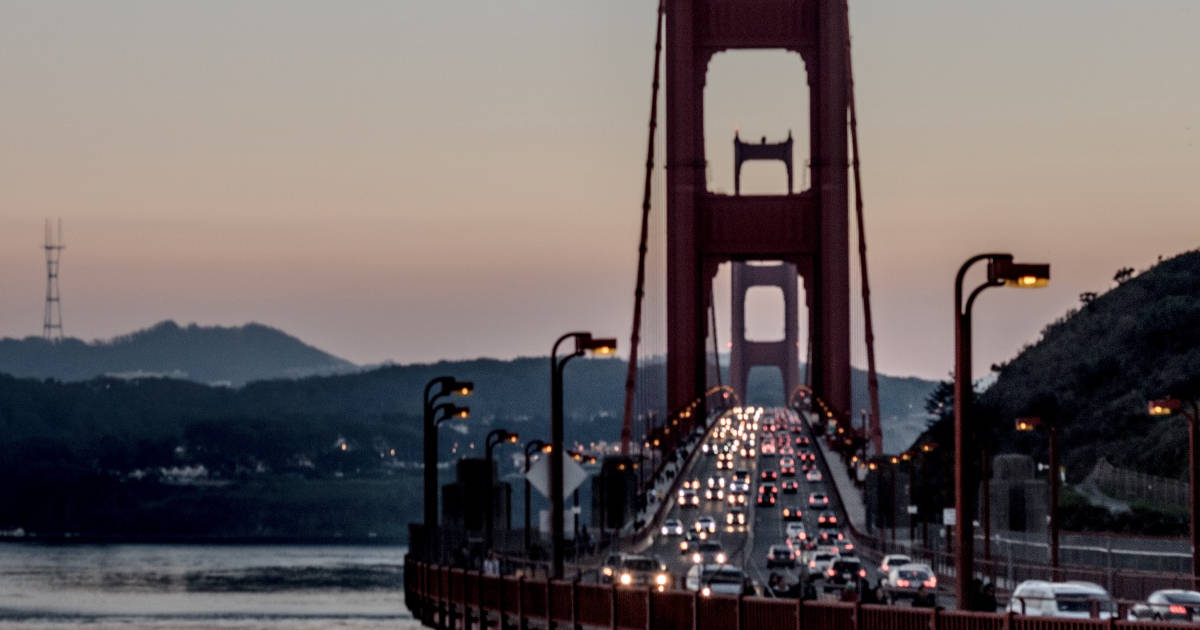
[
  {"x": 947, "y": 516},
  {"x": 539, "y": 475},
  {"x": 912, "y": 509}
]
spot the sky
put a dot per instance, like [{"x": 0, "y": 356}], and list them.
[{"x": 410, "y": 181}]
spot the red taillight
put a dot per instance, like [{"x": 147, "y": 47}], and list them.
[
  {"x": 862, "y": 573},
  {"x": 803, "y": 536},
  {"x": 832, "y": 519},
  {"x": 903, "y": 583},
  {"x": 831, "y": 572},
  {"x": 931, "y": 582},
  {"x": 849, "y": 547},
  {"x": 1176, "y": 609}
]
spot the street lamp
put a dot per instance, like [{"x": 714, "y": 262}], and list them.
[
  {"x": 531, "y": 447},
  {"x": 1166, "y": 407},
  {"x": 498, "y": 436},
  {"x": 1031, "y": 424},
  {"x": 1002, "y": 271},
  {"x": 433, "y": 416},
  {"x": 584, "y": 342}
]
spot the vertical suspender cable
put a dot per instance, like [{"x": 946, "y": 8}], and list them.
[
  {"x": 876, "y": 436},
  {"x": 712, "y": 311},
  {"x": 639, "y": 291}
]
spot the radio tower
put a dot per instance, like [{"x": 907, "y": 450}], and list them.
[{"x": 52, "y": 328}]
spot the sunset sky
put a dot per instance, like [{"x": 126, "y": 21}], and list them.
[{"x": 408, "y": 181}]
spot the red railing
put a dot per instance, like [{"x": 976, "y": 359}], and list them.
[{"x": 441, "y": 597}]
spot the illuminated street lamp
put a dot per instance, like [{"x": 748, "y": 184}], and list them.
[
  {"x": 531, "y": 447},
  {"x": 1002, "y": 271},
  {"x": 1166, "y": 407},
  {"x": 433, "y": 416},
  {"x": 584, "y": 343},
  {"x": 1028, "y": 425},
  {"x": 498, "y": 436}
]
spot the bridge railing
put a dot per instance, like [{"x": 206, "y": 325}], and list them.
[{"x": 441, "y": 597}]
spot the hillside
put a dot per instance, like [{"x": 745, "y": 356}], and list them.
[
  {"x": 1093, "y": 371},
  {"x": 205, "y": 354}
]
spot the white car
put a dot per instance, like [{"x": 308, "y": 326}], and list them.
[
  {"x": 672, "y": 527},
  {"x": 820, "y": 561},
  {"x": 904, "y": 580},
  {"x": 688, "y": 499},
  {"x": 709, "y": 579},
  {"x": 1075, "y": 600},
  {"x": 812, "y": 476},
  {"x": 705, "y": 524},
  {"x": 891, "y": 559},
  {"x": 1170, "y": 604},
  {"x": 709, "y": 552},
  {"x": 794, "y": 530}
]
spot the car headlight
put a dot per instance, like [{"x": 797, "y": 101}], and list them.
[
  {"x": 696, "y": 558},
  {"x": 683, "y": 545},
  {"x": 661, "y": 579},
  {"x": 720, "y": 558},
  {"x": 626, "y": 579},
  {"x": 607, "y": 571},
  {"x": 706, "y": 592}
]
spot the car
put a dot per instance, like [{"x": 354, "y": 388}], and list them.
[
  {"x": 766, "y": 499},
  {"x": 768, "y": 475},
  {"x": 1039, "y": 598},
  {"x": 820, "y": 561},
  {"x": 1170, "y": 604},
  {"x": 780, "y": 556},
  {"x": 608, "y": 569},
  {"x": 786, "y": 449},
  {"x": 715, "y": 579},
  {"x": 845, "y": 547},
  {"x": 795, "y": 531},
  {"x": 634, "y": 570},
  {"x": 768, "y": 488},
  {"x": 890, "y": 559},
  {"x": 735, "y": 519},
  {"x": 708, "y": 552},
  {"x": 818, "y": 500},
  {"x": 830, "y": 535},
  {"x": 707, "y": 449},
  {"x": 736, "y": 498},
  {"x": 806, "y": 455},
  {"x": 787, "y": 466},
  {"x": 768, "y": 448},
  {"x": 724, "y": 461},
  {"x": 715, "y": 482},
  {"x": 690, "y": 539},
  {"x": 802, "y": 441},
  {"x": 741, "y": 475},
  {"x": 688, "y": 499},
  {"x": 672, "y": 527},
  {"x": 844, "y": 570},
  {"x": 705, "y": 524},
  {"x": 714, "y": 494},
  {"x": 827, "y": 518},
  {"x": 903, "y": 580},
  {"x": 791, "y": 513},
  {"x": 691, "y": 484},
  {"x": 790, "y": 486},
  {"x": 812, "y": 476}
]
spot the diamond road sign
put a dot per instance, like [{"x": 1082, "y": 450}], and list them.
[{"x": 539, "y": 475}]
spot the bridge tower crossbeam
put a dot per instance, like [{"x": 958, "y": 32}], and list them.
[{"x": 809, "y": 229}]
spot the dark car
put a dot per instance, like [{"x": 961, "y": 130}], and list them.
[
  {"x": 790, "y": 486},
  {"x": 844, "y": 571},
  {"x": 791, "y": 513},
  {"x": 768, "y": 475},
  {"x": 780, "y": 556},
  {"x": 827, "y": 518}
]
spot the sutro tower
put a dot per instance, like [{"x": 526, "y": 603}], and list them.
[{"x": 52, "y": 328}]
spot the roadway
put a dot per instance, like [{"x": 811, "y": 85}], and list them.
[{"x": 748, "y": 548}]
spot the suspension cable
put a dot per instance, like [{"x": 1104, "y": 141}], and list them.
[
  {"x": 876, "y": 433},
  {"x": 640, "y": 288}
]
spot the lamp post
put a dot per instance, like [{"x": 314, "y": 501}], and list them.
[
  {"x": 1166, "y": 407},
  {"x": 584, "y": 342},
  {"x": 1032, "y": 424},
  {"x": 435, "y": 389},
  {"x": 531, "y": 447},
  {"x": 1002, "y": 271},
  {"x": 497, "y": 436}
]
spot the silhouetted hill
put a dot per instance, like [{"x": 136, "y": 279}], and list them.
[
  {"x": 1093, "y": 372},
  {"x": 206, "y": 354}
]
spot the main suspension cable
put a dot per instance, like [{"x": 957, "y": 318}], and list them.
[{"x": 640, "y": 288}]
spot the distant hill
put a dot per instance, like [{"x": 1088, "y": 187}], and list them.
[{"x": 205, "y": 354}]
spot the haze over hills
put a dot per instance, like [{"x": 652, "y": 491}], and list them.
[{"x": 205, "y": 354}]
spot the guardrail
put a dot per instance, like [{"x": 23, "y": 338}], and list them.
[{"x": 447, "y": 598}]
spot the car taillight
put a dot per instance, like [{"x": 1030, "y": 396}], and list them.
[
  {"x": 1176, "y": 609},
  {"x": 903, "y": 583},
  {"x": 848, "y": 547},
  {"x": 862, "y": 573},
  {"x": 831, "y": 572},
  {"x": 931, "y": 582}
]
